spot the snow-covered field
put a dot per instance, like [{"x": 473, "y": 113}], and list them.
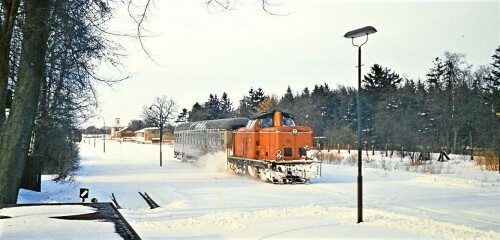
[{"x": 205, "y": 201}]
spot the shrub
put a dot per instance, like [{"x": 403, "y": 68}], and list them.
[
  {"x": 56, "y": 153},
  {"x": 487, "y": 160},
  {"x": 329, "y": 157}
]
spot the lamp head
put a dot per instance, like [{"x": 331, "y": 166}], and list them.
[{"x": 360, "y": 32}]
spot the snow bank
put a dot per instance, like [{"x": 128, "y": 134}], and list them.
[
  {"x": 36, "y": 222},
  {"x": 447, "y": 181},
  {"x": 425, "y": 226},
  {"x": 177, "y": 205},
  {"x": 247, "y": 220}
]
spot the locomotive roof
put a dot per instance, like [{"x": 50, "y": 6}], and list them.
[
  {"x": 226, "y": 124},
  {"x": 271, "y": 114}
]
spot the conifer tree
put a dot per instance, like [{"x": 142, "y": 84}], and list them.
[{"x": 226, "y": 106}]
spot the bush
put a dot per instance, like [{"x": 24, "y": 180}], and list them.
[
  {"x": 329, "y": 157},
  {"x": 487, "y": 160},
  {"x": 56, "y": 153}
]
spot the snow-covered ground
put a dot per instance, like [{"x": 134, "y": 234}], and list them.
[{"x": 205, "y": 201}]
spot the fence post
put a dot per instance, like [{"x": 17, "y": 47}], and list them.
[{"x": 402, "y": 153}]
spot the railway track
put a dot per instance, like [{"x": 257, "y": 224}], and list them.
[{"x": 152, "y": 204}]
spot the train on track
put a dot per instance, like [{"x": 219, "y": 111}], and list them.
[{"x": 269, "y": 146}]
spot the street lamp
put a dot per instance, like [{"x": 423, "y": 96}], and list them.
[
  {"x": 104, "y": 134},
  {"x": 161, "y": 128},
  {"x": 365, "y": 31}
]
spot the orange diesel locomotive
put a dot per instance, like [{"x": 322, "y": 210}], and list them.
[{"x": 271, "y": 146}]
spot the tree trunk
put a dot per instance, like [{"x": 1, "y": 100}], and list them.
[
  {"x": 455, "y": 137},
  {"x": 7, "y": 26},
  {"x": 15, "y": 143}
]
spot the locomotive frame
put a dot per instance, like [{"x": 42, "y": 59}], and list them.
[{"x": 269, "y": 146}]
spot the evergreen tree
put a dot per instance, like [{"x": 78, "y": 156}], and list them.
[
  {"x": 212, "y": 107},
  {"x": 379, "y": 102},
  {"x": 492, "y": 85},
  {"x": 183, "y": 116},
  {"x": 248, "y": 105},
  {"x": 226, "y": 106},
  {"x": 435, "y": 75},
  {"x": 286, "y": 102},
  {"x": 197, "y": 113}
]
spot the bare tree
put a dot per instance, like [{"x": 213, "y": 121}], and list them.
[{"x": 160, "y": 113}]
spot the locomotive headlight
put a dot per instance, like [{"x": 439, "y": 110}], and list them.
[{"x": 294, "y": 131}]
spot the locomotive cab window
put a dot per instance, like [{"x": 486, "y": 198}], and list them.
[
  {"x": 250, "y": 124},
  {"x": 266, "y": 122},
  {"x": 286, "y": 121}
]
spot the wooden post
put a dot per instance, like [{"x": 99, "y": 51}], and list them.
[
  {"x": 386, "y": 150},
  {"x": 402, "y": 153},
  {"x": 338, "y": 148},
  {"x": 348, "y": 148},
  {"x": 373, "y": 151}
]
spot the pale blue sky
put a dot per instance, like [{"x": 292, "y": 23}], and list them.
[{"x": 199, "y": 53}]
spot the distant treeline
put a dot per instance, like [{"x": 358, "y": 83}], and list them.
[{"x": 453, "y": 109}]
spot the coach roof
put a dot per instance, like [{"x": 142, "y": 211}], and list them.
[{"x": 221, "y": 124}]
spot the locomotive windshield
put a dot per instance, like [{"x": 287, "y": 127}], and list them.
[
  {"x": 266, "y": 122},
  {"x": 286, "y": 121}
]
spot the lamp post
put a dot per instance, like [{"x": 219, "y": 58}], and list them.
[
  {"x": 365, "y": 31},
  {"x": 161, "y": 128},
  {"x": 104, "y": 134}
]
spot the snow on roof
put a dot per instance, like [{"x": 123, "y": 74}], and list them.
[
  {"x": 123, "y": 129},
  {"x": 145, "y": 129}
]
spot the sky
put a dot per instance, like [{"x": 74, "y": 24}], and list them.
[{"x": 199, "y": 51}]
